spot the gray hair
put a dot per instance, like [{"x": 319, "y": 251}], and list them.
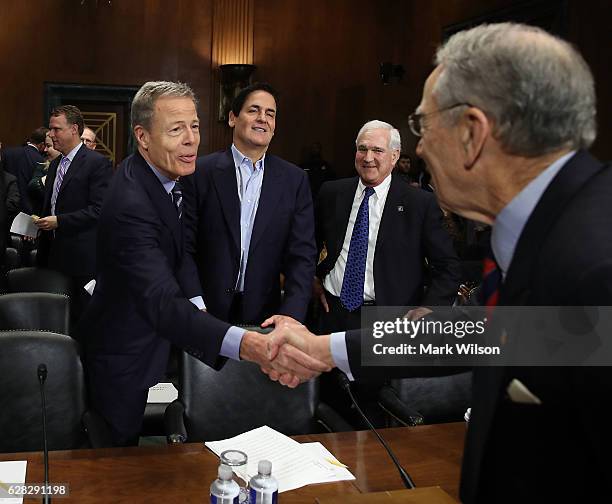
[
  {"x": 143, "y": 104},
  {"x": 536, "y": 88},
  {"x": 395, "y": 141}
]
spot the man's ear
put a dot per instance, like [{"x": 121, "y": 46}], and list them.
[
  {"x": 395, "y": 154},
  {"x": 142, "y": 136},
  {"x": 231, "y": 119},
  {"x": 475, "y": 129}
]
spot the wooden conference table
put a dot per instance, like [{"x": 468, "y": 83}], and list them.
[{"x": 183, "y": 473}]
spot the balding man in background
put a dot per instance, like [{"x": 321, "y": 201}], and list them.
[
  {"x": 504, "y": 124},
  {"x": 89, "y": 138}
]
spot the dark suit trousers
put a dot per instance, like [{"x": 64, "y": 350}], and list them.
[
  {"x": 338, "y": 318},
  {"x": 122, "y": 409}
]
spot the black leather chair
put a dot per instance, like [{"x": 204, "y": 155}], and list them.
[
  {"x": 415, "y": 401},
  {"x": 214, "y": 405},
  {"x": 38, "y": 280},
  {"x": 35, "y": 311},
  {"x": 11, "y": 259},
  {"x": 20, "y": 404}
]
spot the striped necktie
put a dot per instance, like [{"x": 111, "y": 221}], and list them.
[
  {"x": 59, "y": 177},
  {"x": 177, "y": 198},
  {"x": 491, "y": 281}
]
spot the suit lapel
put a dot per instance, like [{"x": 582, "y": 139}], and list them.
[
  {"x": 271, "y": 189},
  {"x": 49, "y": 183},
  {"x": 576, "y": 172},
  {"x": 224, "y": 178},
  {"x": 344, "y": 204},
  {"x": 79, "y": 157},
  {"x": 161, "y": 200},
  {"x": 390, "y": 213}
]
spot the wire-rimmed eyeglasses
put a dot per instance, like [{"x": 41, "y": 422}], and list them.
[{"x": 415, "y": 121}]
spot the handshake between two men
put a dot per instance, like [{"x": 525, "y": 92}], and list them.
[{"x": 290, "y": 354}]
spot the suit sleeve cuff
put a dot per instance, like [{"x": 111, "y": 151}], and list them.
[
  {"x": 198, "y": 302},
  {"x": 337, "y": 344},
  {"x": 230, "y": 347}
]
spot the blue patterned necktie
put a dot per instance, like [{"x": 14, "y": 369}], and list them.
[
  {"x": 177, "y": 198},
  {"x": 351, "y": 295}
]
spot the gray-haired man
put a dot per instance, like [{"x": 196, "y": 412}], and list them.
[{"x": 503, "y": 124}]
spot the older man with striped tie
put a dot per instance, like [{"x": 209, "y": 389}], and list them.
[{"x": 74, "y": 191}]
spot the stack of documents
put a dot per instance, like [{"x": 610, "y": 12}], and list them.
[{"x": 294, "y": 465}]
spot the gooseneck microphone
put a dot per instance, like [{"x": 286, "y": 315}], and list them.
[
  {"x": 346, "y": 385},
  {"x": 42, "y": 376}
]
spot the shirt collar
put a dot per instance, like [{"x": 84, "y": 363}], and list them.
[
  {"x": 239, "y": 157},
  {"x": 165, "y": 181},
  {"x": 379, "y": 189},
  {"x": 73, "y": 152},
  {"x": 511, "y": 221}
]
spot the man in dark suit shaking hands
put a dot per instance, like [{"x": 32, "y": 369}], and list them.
[
  {"x": 140, "y": 305},
  {"x": 504, "y": 123},
  {"x": 74, "y": 191},
  {"x": 253, "y": 221}
]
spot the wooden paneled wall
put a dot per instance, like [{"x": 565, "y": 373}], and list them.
[{"x": 322, "y": 55}]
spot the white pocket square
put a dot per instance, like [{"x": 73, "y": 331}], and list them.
[{"x": 520, "y": 394}]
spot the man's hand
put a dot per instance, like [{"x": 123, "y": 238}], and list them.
[
  {"x": 277, "y": 320},
  {"x": 293, "y": 342},
  {"x": 319, "y": 293},
  {"x": 417, "y": 313},
  {"x": 289, "y": 366},
  {"x": 46, "y": 223}
]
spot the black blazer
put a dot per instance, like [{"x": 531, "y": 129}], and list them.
[
  {"x": 71, "y": 249},
  {"x": 411, "y": 230},
  {"x": 20, "y": 162},
  {"x": 282, "y": 239},
  {"x": 560, "y": 450},
  {"x": 139, "y": 306}
]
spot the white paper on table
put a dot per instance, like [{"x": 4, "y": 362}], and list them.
[
  {"x": 321, "y": 453},
  {"x": 293, "y": 466},
  {"x": 13, "y": 471},
  {"x": 23, "y": 225},
  {"x": 162, "y": 393}
]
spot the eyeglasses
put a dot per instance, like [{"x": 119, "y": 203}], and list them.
[{"x": 415, "y": 121}]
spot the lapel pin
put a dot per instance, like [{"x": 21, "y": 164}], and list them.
[{"x": 400, "y": 208}]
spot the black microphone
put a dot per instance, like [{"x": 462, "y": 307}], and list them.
[
  {"x": 42, "y": 376},
  {"x": 346, "y": 385}
]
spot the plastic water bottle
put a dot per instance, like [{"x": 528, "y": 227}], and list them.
[
  {"x": 263, "y": 488},
  {"x": 224, "y": 490}
]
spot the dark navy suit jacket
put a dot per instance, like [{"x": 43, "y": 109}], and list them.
[
  {"x": 21, "y": 161},
  {"x": 71, "y": 248},
  {"x": 282, "y": 240},
  {"x": 410, "y": 230},
  {"x": 140, "y": 306}
]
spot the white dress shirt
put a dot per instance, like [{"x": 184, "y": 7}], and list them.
[{"x": 376, "y": 205}]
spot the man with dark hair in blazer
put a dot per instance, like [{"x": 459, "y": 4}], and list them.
[
  {"x": 504, "y": 124},
  {"x": 252, "y": 221},
  {"x": 404, "y": 230},
  {"x": 21, "y": 161},
  {"x": 140, "y": 305},
  {"x": 74, "y": 190}
]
